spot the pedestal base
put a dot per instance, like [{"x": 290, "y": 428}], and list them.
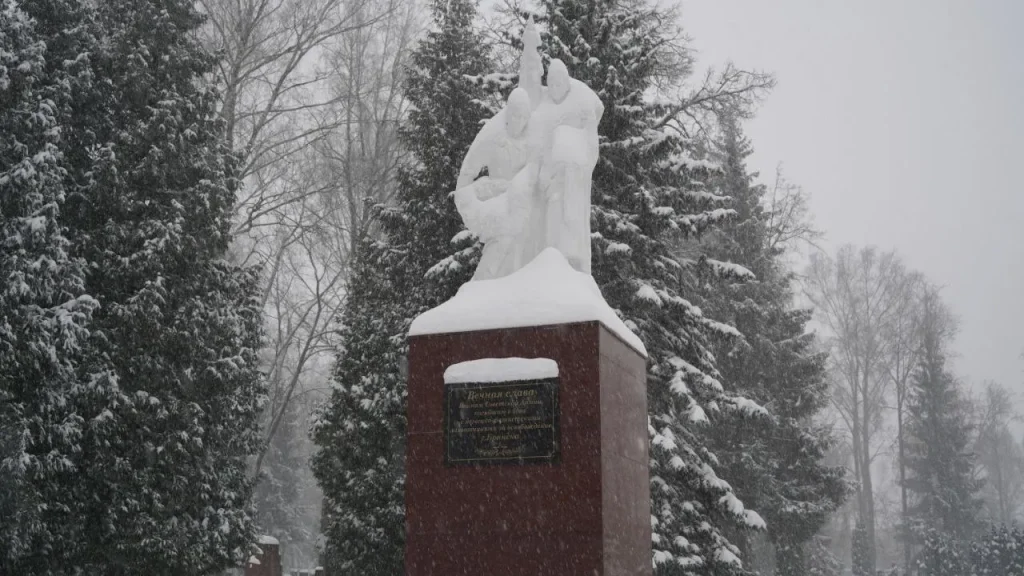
[{"x": 586, "y": 515}]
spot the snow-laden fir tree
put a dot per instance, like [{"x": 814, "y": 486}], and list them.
[
  {"x": 944, "y": 493},
  {"x": 419, "y": 262},
  {"x": 775, "y": 465},
  {"x": 44, "y": 311},
  {"x": 861, "y": 551},
  {"x": 1000, "y": 551},
  {"x": 939, "y": 554},
  {"x": 360, "y": 432},
  {"x": 997, "y": 552},
  {"x": 820, "y": 560},
  {"x": 282, "y": 494},
  {"x": 167, "y": 387},
  {"x": 648, "y": 194}
]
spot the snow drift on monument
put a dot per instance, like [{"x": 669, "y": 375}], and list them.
[
  {"x": 501, "y": 370},
  {"x": 546, "y": 291}
]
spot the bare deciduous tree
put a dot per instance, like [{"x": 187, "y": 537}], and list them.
[
  {"x": 1001, "y": 457},
  {"x": 361, "y": 158},
  {"x": 691, "y": 108},
  {"x": 857, "y": 295},
  {"x": 694, "y": 111},
  {"x": 902, "y": 341},
  {"x": 312, "y": 101},
  {"x": 788, "y": 213},
  {"x": 276, "y": 100}
]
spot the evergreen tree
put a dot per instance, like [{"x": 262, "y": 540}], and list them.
[
  {"x": 44, "y": 310},
  {"x": 167, "y": 387},
  {"x": 130, "y": 433},
  {"x": 820, "y": 560},
  {"x": 419, "y": 263},
  {"x": 861, "y": 553},
  {"x": 776, "y": 465},
  {"x": 1000, "y": 552},
  {"x": 941, "y": 555},
  {"x": 649, "y": 194},
  {"x": 940, "y": 467},
  {"x": 280, "y": 496}
]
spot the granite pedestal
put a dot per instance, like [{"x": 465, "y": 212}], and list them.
[{"x": 587, "y": 513}]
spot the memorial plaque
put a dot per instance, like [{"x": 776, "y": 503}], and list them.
[{"x": 501, "y": 422}]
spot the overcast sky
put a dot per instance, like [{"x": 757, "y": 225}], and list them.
[{"x": 904, "y": 121}]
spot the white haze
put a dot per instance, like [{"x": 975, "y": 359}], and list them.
[{"x": 903, "y": 121}]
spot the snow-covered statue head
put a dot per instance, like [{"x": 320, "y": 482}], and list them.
[
  {"x": 558, "y": 81},
  {"x": 517, "y": 113},
  {"x": 539, "y": 153}
]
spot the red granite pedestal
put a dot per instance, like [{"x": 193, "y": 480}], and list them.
[
  {"x": 267, "y": 562},
  {"x": 586, "y": 515}
]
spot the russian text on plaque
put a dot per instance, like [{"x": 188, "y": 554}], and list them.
[{"x": 501, "y": 422}]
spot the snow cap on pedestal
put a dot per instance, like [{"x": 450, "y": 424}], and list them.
[
  {"x": 501, "y": 370},
  {"x": 547, "y": 291}
]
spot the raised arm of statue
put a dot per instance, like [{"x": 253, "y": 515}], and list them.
[
  {"x": 531, "y": 67},
  {"x": 497, "y": 207},
  {"x": 482, "y": 150}
]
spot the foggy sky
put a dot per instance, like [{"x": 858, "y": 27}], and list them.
[{"x": 903, "y": 121}]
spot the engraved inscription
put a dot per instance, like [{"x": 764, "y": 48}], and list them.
[{"x": 506, "y": 422}]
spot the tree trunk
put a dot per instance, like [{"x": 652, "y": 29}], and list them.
[
  {"x": 1004, "y": 514},
  {"x": 866, "y": 484},
  {"x": 903, "y": 483}
]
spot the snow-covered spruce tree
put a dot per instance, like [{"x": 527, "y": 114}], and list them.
[
  {"x": 417, "y": 264},
  {"x": 940, "y": 555},
  {"x": 861, "y": 552},
  {"x": 44, "y": 311},
  {"x": 775, "y": 466},
  {"x": 281, "y": 494},
  {"x": 820, "y": 560},
  {"x": 999, "y": 552},
  {"x": 170, "y": 392},
  {"x": 647, "y": 195},
  {"x": 360, "y": 432},
  {"x": 943, "y": 491}
]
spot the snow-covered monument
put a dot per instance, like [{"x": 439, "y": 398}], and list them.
[{"x": 527, "y": 419}]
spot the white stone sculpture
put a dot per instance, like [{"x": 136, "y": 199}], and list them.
[
  {"x": 539, "y": 152},
  {"x": 498, "y": 207},
  {"x": 531, "y": 67},
  {"x": 565, "y": 145}
]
